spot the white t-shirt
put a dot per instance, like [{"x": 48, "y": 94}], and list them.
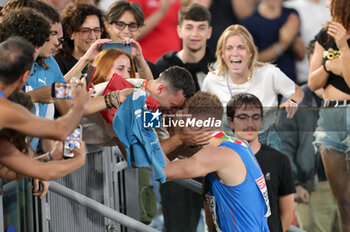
[{"x": 266, "y": 82}]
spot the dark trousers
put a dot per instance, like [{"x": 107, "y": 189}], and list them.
[{"x": 181, "y": 207}]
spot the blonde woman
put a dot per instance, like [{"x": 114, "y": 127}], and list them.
[{"x": 237, "y": 70}]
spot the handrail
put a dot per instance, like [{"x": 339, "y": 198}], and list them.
[{"x": 98, "y": 207}]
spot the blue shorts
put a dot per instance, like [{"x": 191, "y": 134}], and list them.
[{"x": 333, "y": 129}]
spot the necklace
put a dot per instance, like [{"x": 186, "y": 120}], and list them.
[
  {"x": 35, "y": 67},
  {"x": 228, "y": 84}
]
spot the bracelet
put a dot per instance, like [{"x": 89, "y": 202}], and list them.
[
  {"x": 118, "y": 96},
  {"x": 324, "y": 66},
  {"x": 292, "y": 101},
  {"x": 114, "y": 99},
  {"x": 107, "y": 100},
  {"x": 277, "y": 49},
  {"x": 48, "y": 156}
]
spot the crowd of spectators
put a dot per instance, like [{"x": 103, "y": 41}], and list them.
[{"x": 280, "y": 155}]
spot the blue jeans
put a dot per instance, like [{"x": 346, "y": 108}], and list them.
[
  {"x": 270, "y": 137},
  {"x": 333, "y": 129}
]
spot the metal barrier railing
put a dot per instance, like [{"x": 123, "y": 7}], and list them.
[
  {"x": 112, "y": 214},
  {"x": 98, "y": 207}
]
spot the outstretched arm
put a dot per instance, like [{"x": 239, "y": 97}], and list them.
[
  {"x": 17, "y": 117},
  {"x": 24, "y": 165},
  {"x": 88, "y": 57},
  {"x": 207, "y": 160}
]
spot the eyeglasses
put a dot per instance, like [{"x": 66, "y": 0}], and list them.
[
  {"x": 87, "y": 31},
  {"x": 245, "y": 117},
  {"x": 121, "y": 25}
]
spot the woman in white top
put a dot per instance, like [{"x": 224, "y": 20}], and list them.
[{"x": 237, "y": 70}]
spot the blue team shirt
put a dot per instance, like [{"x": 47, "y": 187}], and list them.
[
  {"x": 141, "y": 143},
  {"x": 244, "y": 207},
  {"x": 39, "y": 78}
]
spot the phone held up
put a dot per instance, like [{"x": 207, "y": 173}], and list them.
[
  {"x": 61, "y": 90},
  {"x": 117, "y": 45},
  {"x": 72, "y": 141},
  {"x": 89, "y": 75}
]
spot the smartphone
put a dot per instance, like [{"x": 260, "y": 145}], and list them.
[
  {"x": 72, "y": 141},
  {"x": 90, "y": 75},
  {"x": 61, "y": 90},
  {"x": 117, "y": 45}
]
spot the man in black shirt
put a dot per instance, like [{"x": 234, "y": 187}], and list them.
[
  {"x": 194, "y": 30},
  {"x": 245, "y": 116}
]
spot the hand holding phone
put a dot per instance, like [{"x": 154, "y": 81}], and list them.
[
  {"x": 89, "y": 76},
  {"x": 61, "y": 90},
  {"x": 72, "y": 141}
]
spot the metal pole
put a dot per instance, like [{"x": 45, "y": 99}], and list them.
[{"x": 102, "y": 209}]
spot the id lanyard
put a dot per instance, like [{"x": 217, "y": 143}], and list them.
[{"x": 228, "y": 85}]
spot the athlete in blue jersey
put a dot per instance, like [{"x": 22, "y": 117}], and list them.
[{"x": 238, "y": 194}]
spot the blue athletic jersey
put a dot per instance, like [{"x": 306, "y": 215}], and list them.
[
  {"x": 41, "y": 77},
  {"x": 244, "y": 207}
]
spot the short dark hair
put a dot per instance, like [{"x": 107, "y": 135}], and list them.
[
  {"x": 44, "y": 8},
  {"x": 179, "y": 79},
  {"x": 38, "y": 5},
  {"x": 195, "y": 12},
  {"x": 204, "y": 105},
  {"x": 242, "y": 99},
  {"x": 16, "y": 57},
  {"x": 27, "y": 23},
  {"x": 73, "y": 16},
  {"x": 118, "y": 8}
]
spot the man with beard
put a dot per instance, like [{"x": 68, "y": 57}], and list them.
[
  {"x": 194, "y": 29},
  {"x": 245, "y": 116}
]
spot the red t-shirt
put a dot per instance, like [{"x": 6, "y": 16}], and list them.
[{"x": 163, "y": 38}]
